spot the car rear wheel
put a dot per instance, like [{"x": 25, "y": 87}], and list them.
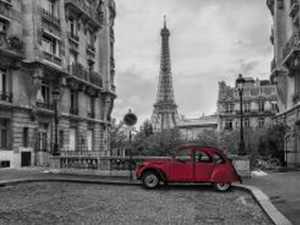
[
  {"x": 222, "y": 186},
  {"x": 150, "y": 180}
]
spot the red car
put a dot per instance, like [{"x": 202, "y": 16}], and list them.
[{"x": 189, "y": 164}]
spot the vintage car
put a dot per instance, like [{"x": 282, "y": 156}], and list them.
[{"x": 189, "y": 164}]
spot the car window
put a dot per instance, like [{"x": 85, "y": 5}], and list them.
[
  {"x": 201, "y": 156},
  {"x": 219, "y": 158},
  {"x": 185, "y": 154}
]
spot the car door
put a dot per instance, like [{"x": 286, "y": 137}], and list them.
[
  {"x": 203, "y": 167},
  {"x": 181, "y": 166}
]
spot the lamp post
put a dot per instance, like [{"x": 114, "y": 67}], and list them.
[
  {"x": 240, "y": 85},
  {"x": 55, "y": 100}
]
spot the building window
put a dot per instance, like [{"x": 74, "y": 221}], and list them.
[
  {"x": 25, "y": 137},
  {"x": 90, "y": 40},
  {"x": 274, "y": 107},
  {"x": 74, "y": 102},
  {"x": 3, "y": 80},
  {"x": 74, "y": 29},
  {"x": 247, "y": 122},
  {"x": 228, "y": 124},
  {"x": 3, "y": 29},
  {"x": 261, "y": 106},
  {"x": 45, "y": 91},
  {"x": 72, "y": 139},
  {"x": 50, "y": 45},
  {"x": 91, "y": 106},
  {"x": 229, "y": 108},
  {"x": 43, "y": 137},
  {"x": 4, "y": 133},
  {"x": 90, "y": 67},
  {"x": 247, "y": 107},
  {"x": 261, "y": 122},
  {"x": 61, "y": 139},
  {"x": 90, "y": 137}
]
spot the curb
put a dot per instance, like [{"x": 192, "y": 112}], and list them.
[
  {"x": 70, "y": 180},
  {"x": 263, "y": 200}
]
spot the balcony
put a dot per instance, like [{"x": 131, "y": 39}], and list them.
[
  {"x": 50, "y": 17},
  {"x": 7, "y": 97},
  {"x": 5, "y": 10},
  {"x": 79, "y": 71},
  {"x": 291, "y": 50},
  {"x": 88, "y": 13},
  {"x": 52, "y": 58},
  {"x": 74, "y": 111},
  {"x": 45, "y": 105},
  {"x": 10, "y": 46},
  {"x": 91, "y": 51}
]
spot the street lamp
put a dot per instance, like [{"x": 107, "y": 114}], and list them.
[
  {"x": 240, "y": 85},
  {"x": 55, "y": 100}
]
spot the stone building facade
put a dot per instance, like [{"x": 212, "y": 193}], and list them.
[
  {"x": 190, "y": 129},
  {"x": 259, "y": 105},
  {"x": 47, "y": 45},
  {"x": 285, "y": 71}
]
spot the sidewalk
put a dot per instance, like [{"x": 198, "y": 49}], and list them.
[{"x": 283, "y": 190}]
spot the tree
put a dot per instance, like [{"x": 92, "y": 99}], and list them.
[{"x": 118, "y": 138}]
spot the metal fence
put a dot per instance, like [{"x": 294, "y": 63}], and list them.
[{"x": 292, "y": 150}]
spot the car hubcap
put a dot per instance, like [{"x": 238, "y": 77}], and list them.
[
  {"x": 151, "y": 180},
  {"x": 223, "y": 186}
]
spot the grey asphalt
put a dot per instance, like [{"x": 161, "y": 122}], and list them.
[
  {"x": 280, "y": 188},
  {"x": 283, "y": 190}
]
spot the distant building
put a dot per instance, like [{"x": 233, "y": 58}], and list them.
[
  {"x": 285, "y": 69},
  {"x": 47, "y": 45},
  {"x": 192, "y": 128},
  {"x": 259, "y": 104}
]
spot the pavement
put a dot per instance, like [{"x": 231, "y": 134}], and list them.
[{"x": 277, "y": 192}]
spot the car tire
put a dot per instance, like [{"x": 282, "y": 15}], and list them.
[
  {"x": 151, "y": 180},
  {"x": 222, "y": 187}
]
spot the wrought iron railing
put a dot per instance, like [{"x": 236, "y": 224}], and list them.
[
  {"x": 53, "y": 58},
  {"x": 45, "y": 105},
  {"x": 49, "y": 16}
]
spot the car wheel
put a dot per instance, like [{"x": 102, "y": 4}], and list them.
[
  {"x": 222, "y": 186},
  {"x": 150, "y": 180}
]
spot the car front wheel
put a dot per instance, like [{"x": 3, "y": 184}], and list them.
[
  {"x": 222, "y": 186},
  {"x": 150, "y": 180}
]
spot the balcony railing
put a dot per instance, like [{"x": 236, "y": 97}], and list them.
[
  {"x": 53, "y": 58},
  {"x": 4, "y": 96},
  {"x": 12, "y": 43},
  {"x": 49, "y": 16},
  {"x": 73, "y": 37},
  {"x": 74, "y": 110},
  {"x": 45, "y": 105},
  {"x": 290, "y": 47},
  {"x": 76, "y": 69},
  {"x": 88, "y": 12}
]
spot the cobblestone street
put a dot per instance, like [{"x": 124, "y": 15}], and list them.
[{"x": 68, "y": 203}]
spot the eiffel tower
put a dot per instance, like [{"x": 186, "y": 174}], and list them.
[{"x": 165, "y": 115}]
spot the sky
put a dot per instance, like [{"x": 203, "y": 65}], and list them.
[{"x": 211, "y": 41}]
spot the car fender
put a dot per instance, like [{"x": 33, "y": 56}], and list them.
[
  {"x": 223, "y": 175},
  {"x": 155, "y": 169}
]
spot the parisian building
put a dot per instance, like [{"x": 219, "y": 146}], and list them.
[
  {"x": 55, "y": 51},
  {"x": 285, "y": 71},
  {"x": 192, "y": 128},
  {"x": 259, "y": 105}
]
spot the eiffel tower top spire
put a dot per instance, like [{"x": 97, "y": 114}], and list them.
[{"x": 165, "y": 115}]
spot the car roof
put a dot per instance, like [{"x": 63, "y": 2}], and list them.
[{"x": 202, "y": 147}]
